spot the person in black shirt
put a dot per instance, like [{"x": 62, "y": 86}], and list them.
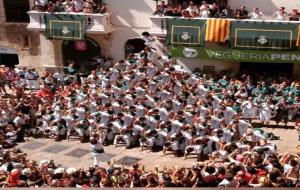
[{"x": 241, "y": 13}]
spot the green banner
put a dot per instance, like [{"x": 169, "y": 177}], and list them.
[
  {"x": 236, "y": 55},
  {"x": 263, "y": 35},
  {"x": 65, "y": 26},
  {"x": 189, "y": 32}
]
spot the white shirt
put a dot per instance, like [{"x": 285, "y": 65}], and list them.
[{"x": 256, "y": 16}]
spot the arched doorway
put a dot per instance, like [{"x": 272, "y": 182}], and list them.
[
  {"x": 134, "y": 45},
  {"x": 8, "y": 57},
  {"x": 82, "y": 53}
]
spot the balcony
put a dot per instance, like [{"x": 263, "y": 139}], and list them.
[
  {"x": 95, "y": 23},
  {"x": 159, "y": 23}
]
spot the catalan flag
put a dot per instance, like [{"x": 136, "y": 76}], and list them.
[
  {"x": 217, "y": 30},
  {"x": 298, "y": 38}
]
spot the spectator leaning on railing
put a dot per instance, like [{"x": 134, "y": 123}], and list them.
[
  {"x": 294, "y": 15},
  {"x": 280, "y": 14},
  {"x": 212, "y": 9},
  {"x": 256, "y": 14}
]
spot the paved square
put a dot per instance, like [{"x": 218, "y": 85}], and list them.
[
  {"x": 33, "y": 145},
  {"x": 54, "y": 149},
  {"x": 105, "y": 157},
  {"x": 78, "y": 153},
  {"x": 128, "y": 160}
]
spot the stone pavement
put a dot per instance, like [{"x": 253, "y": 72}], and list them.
[{"x": 75, "y": 154}]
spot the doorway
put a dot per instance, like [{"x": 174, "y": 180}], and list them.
[
  {"x": 267, "y": 69},
  {"x": 9, "y": 60},
  {"x": 134, "y": 45},
  {"x": 82, "y": 53}
]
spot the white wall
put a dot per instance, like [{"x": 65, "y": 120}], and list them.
[
  {"x": 131, "y": 13},
  {"x": 266, "y": 6},
  {"x": 192, "y": 64},
  {"x": 131, "y": 18}
]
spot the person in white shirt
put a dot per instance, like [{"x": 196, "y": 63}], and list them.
[
  {"x": 192, "y": 8},
  {"x": 204, "y": 12},
  {"x": 280, "y": 15},
  {"x": 256, "y": 14},
  {"x": 97, "y": 148}
]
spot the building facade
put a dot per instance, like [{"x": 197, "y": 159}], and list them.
[{"x": 23, "y": 40}]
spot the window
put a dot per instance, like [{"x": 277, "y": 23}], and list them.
[{"x": 16, "y": 11}]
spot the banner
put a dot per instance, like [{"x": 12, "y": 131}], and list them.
[
  {"x": 217, "y": 30},
  {"x": 185, "y": 31},
  {"x": 263, "y": 35},
  {"x": 236, "y": 55},
  {"x": 65, "y": 26}
]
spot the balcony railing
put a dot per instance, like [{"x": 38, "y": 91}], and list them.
[
  {"x": 159, "y": 23},
  {"x": 95, "y": 23}
]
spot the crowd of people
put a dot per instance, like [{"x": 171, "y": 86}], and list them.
[
  {"x": 258, "y": 168},
  {"x": 75, "y": 6},
  {"x": 219, "y": 10},
  {"x": 149, "y": 101}
]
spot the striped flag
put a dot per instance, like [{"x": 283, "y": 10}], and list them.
[
  {"x": 217, "y": 30},
  {"x": 298, "y": 38}
]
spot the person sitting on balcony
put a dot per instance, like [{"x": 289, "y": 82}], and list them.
[
  {"x": 204, "y": 12},
  {"x": 280, "y": 14},
  {"x": 40, "y": 4},
  {"x": 59, "y": 7},
  {"x": 294, "y": 15},
  {"x": 78, "y": 5},
  {"x": 256, "y": 14},
  {"x": 192, "y": 8},
  {"x": 88, "y": 6},
  {"x": 68, "y": 5}
]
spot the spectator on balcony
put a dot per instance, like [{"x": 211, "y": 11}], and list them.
[
  {"x": 178, "y": 10},
  {"x": 194, "y": 14},
  {"x": 88, "y": 6},
  {"x": 169, "y": 10},
  {"x": 40, "y": 4},
  {"x": 103, "y": 8},
  {"x": 214, "y": 10},
  {"x": 186, "y": 14},
  {"x": 243, "y": 13},
  {"x": 256, "y": 14},
  {"x": 294, "y": 15},
  {"x": 50, "y": 7},
  {"x": 59, "y": 6},
  {"x": 227, "y": 13},
  {"x": 68, "y": 6},
  {"x": 192, "y": 8},
  {"x": 78, "y": 5},
  {"x": 280, "y": 14},
  {"x": 160, "y": 9},
  {"x": 204, "y": 12}
]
